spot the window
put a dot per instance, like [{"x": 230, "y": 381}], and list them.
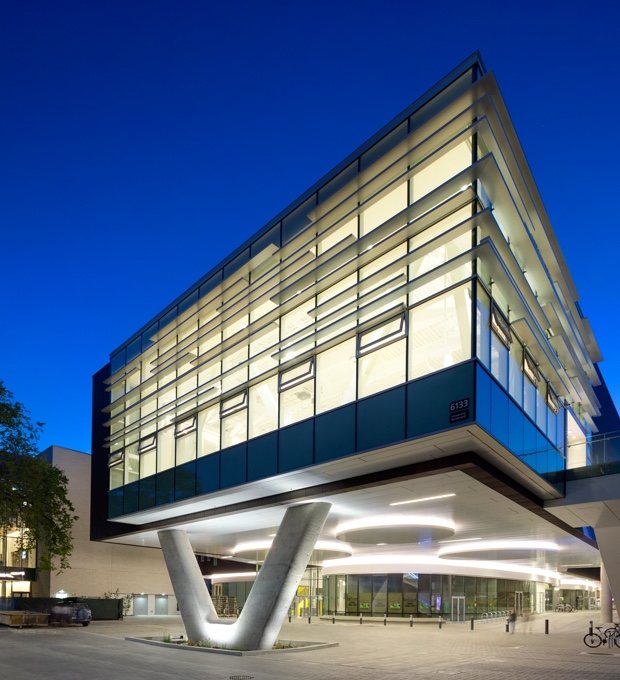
[
  {"x": 297, "y": 375},
  {"x": 297, "y": 393},
  {"x": 234, "y": 404},
  {"x": 440, "y": 332},
  {"x": 382, "y": 368},
  {"x": 499, "y": 323},
  {"x": 185, "y": 426},
  {"x": 553, "y": 401},
  {"x": 263, "y": 407},
  {"x": 147, "y": 444},
  {"x": 208, "y": 431},
  {"x": 383, "y": 335},
  {"x": 335, "y": 376},
  {"x": 117, "y": 469},
  {"x": 530, "y": 369},
  {"x": 132, "y": 463}
]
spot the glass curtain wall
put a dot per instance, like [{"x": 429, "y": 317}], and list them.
[
  {"x": 422, "y": 595},
  {"x": 357, "y": 299}
]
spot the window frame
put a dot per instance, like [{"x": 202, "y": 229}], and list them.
[
  {"x": 530, "y": 368},
  {"x": 500, "y": 325},
  {"x": 362, "y": 350},
  {"x": 309, "y": 374},
  {"x": 229, "y": 410}
]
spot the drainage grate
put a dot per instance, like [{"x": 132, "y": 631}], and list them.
[{"x": 241, "y": 677}]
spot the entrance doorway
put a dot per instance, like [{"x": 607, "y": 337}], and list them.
[
  {"x": 140, "y": 605},
  {"x": 457, "y": 612},
  {"x": 518, "y": 602},
  {"x": 161, "y": 605}
]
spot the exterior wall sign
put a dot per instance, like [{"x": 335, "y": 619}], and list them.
[{"x": 459, "y": 410}]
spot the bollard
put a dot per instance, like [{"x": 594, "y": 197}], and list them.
[
  {"x": 410, "y": 620},
  {"x": 333, "y": 619},
  {"x": 507, "y": 627},
  {"x": 309, "y": 619},
  {"x": 546, "y": 626},
  {"x": 360, "y": 619},
  {"x": 472, "y": 624},
  {"x": 289, "y": 618},
  {"x": 591, "y": 631},
  {"x": 440, "y": 622},
  {"x": 385, "y": 619}
]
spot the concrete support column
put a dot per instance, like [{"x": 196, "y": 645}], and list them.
[
  {"x": 606, "y": 611},
  {"x": 276, "y": 584},
  {"x": 608, "y": 539}
]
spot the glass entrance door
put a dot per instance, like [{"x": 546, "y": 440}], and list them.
[
  {"x": 518, "y": 602},
  {"x": 457, "y": 612}
]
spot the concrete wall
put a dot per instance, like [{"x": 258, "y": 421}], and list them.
[{"x": 97, "y": 568}]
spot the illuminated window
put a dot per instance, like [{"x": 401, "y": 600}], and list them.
[
  {"x": 382, "y": 335},
  {"x": 553, "y": 401},
  {"x": 147, "y": 443},
  {"x": 499, "y": 324},
  {"x": 296, "y": 375},
  {"x": 234, "y": 404},
  {"x": 185, "y": 427},
  {"x": 530, "y": 369}
]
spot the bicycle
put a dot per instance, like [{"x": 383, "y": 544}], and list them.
[{"x": 609, "y": 636}]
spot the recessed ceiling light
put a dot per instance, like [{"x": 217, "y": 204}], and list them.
[
  {"x": 381, "y": 543},
  {"x": 271, "y": 535},
  {"x": 420, "y": 500},
  {"x": 459, "y": 540}
]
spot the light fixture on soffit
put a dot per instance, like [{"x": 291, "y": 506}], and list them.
[
  {"x": 256, "y": 551},
  {"x": 395, "y": 529},
  {"x": 498, "y": 550}
]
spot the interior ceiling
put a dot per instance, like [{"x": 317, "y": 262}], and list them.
[{"x": 476, "y": 511}]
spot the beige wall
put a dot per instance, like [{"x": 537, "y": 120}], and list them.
[{"x": 97, "y": 568}]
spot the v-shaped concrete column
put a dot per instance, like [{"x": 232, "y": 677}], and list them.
[{"x": 272, "y": 593}]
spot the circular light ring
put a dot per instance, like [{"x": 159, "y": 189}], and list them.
[
  {"x": 323, "y": 550},
  {"x": 498, "y": 550},
  {"x": 395, "y": 529}
]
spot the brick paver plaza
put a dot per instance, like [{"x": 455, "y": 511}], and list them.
[{"x": 100, "y": 652}]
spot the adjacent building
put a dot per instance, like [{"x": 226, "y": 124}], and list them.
[
  {"x": 100, "y": 569},
  {"x": 405, "y": 342}
]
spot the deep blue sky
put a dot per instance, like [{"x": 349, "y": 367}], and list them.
[{"x": 142, "y": 141}]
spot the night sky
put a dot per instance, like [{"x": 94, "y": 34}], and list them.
[{"x": 143, "y": 141}]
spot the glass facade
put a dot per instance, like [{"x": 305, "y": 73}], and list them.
[
  {"x": 413, "y": 259},
  {"x": 17, "y": 566},
  {"x": 452, "y": 597}
]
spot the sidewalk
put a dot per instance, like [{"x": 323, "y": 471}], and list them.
[{"x": 371, "y": 651}]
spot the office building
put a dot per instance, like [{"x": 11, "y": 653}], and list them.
[{"x": 404, "y": 342}]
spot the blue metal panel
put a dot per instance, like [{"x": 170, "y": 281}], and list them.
[
  {"x": 381, "y": 419},
  {"x": 233, "y": 466},
  {"x": 296, "y": 446},
  {"x": 263, "y": 457},
  {"x": 335, "y": 434}
]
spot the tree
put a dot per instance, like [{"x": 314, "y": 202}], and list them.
[{"x": 33, "y": 492}]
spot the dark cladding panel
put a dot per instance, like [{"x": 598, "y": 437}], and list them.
[
  {"x": 147, "y": 492},
  {"x": 132, "y": 497},
  {"x": 442, "y": 400},
  {"x": 233, "y": 470},
  {"x": 263, "y": 457},
  {"x": 208, "y": 474},
  {"x": 185, "y": 481},
  {"x": 296, "y": 446},
  {"x": 165, "y": 487},
  {"x": 381, "y": 419},
  {"x": 335, "y": 434}
]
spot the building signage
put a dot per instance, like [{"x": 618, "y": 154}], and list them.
[
  {"x": 459, "y": 410},
  {"x": 23, "y": 574}
]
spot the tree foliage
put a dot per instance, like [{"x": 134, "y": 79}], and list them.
[{"x": 33, "y": 492}]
